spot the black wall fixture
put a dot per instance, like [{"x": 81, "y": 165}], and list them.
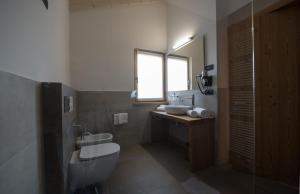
[{"x": 45, "y": 3}]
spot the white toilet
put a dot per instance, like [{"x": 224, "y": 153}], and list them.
[{"x": 92, "y": 164}]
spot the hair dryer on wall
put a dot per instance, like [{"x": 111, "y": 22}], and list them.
[{"x": 204, "y": 81}]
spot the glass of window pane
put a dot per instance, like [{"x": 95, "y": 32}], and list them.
[{"x": 150, "y": 76}]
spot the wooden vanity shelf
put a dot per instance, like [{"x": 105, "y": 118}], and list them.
[{"x": 201, "y": 136}]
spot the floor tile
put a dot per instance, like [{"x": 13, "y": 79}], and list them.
[
  {"x": 170, "y": 189},
  {"x": 139, "y": 173},
  {"x": 223, "y": 179}
]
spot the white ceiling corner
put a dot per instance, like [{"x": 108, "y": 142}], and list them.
[
  {"x": 82, "y": 4},
  {"x": 204, "y": 8}
]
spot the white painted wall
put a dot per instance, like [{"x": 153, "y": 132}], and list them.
[
  {"x": 206, "y": 9},
  {"x": 182, "y": 24},
  {"x": 103, "y": 42},
  {"x": 34, "y": 42}
]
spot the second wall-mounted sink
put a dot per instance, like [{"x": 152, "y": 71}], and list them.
[{"x": 177, "y": 109}]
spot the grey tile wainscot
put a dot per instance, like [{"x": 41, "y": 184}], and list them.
[
  {"x": 96, "y": 109},
  {"x": 21, "y": 158}
]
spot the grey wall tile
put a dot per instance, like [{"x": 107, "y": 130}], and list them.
[
  {"x": 22, "y": 173},
  {"x": 208, "y": 102},
  {"x": 21, "y": 169},
  {"x": 19, "y": 114},
  {"x": 97, "y": 108},
  {"x": 68, "y": 132},
  {"x": 59, "y": 136},
  {"x": 21, "y": 142}
]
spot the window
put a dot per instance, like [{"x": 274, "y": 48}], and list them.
[
  {"x": 178, "y": 73},
  {"x": 149, "y": 72}
]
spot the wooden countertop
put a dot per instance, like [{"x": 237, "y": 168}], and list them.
[{"x": 182, "y": 118}]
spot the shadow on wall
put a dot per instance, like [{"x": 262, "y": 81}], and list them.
[
  {"x": 96, "y": 109},
  {"x": 21, "y": 158}
]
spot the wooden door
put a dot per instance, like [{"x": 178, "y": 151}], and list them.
[
  {"x": 241, "y": 96},
  {"x": 277, "y": 53}
]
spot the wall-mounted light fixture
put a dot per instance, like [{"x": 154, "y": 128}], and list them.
[{"x": 183, "y": 42}]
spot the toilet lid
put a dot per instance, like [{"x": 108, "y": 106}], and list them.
[{"x": 99, "y": 150}]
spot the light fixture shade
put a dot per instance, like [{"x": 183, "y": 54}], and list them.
[{"x": 181, "y": 43}]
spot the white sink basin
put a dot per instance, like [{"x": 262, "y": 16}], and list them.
[
  {"x": 177, "y": 109},
  {"x": 93, "y": 139}
]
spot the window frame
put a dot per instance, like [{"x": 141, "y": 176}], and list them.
[
  {"x": 149, "y": 100},
  {"x": 188, "y": 71}
]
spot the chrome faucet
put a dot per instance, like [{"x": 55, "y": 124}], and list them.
[
  {"x": 174, "y": 98},
  {"x": 174, "y": 95},
  {"x": 82, "y": 131}
]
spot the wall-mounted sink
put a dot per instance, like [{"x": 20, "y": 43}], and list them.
[
  {"x": 177, "y": 109},
  {"x": 93, "y": 139}
]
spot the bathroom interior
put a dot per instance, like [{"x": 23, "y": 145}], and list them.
[{"x": 149, "y": 96}]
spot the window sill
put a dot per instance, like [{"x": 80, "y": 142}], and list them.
[{"x": 150, "y": 103}]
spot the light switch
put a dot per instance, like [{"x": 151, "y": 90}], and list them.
[
  {"x": 123, "y": 118},
  {"x": 116, "y": 119},
  {"x": 71, "y": 104}
]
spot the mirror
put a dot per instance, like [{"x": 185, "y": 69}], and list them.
[{"x": 187, "y": 58}]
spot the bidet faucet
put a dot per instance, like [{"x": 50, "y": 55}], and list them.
[{"x": 82, "y": 131}]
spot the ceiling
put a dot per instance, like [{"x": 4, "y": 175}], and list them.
[
  {"x": 234, "y": 5},
  {"x": 81, "y": 4},
  {"x": 205, "y": 8}
]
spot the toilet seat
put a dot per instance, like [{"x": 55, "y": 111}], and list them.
[{"x": 97, "y": 151}]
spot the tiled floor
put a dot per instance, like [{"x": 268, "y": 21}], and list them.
[
  {"x": 139, "y": 173},
  {"x": 223, "y": 180},
  {"x": 162, "y": 168},
  {"x": 171, "y": 157}
]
